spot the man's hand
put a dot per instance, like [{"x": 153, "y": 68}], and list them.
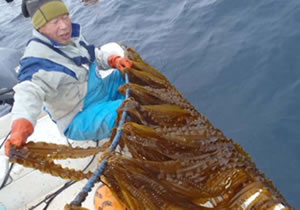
[
  {"x": 21, "y": 130},
  {"x": 119, "y": 62}
]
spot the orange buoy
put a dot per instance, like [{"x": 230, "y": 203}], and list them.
[{"x": 105, "y": 200}]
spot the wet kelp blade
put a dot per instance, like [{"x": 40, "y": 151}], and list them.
[
  {"x": 54, "y": 151},
  {"x": 27, "y": 158},
  {"x": 40, "y": 155}
]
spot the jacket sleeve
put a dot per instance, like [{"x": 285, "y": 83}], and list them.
[
  {"x": 102, "y": 54},
  {"x": 28, "y": 103}
]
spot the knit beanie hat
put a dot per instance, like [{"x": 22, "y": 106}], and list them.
[{"x": 42, "y": 11}]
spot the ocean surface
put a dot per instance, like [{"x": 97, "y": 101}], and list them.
[{"x": 236, "y": 61}]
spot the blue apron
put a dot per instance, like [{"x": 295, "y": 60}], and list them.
[{"x": 98, "y": 116}]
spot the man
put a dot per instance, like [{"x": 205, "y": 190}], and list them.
[{"x": 58, "y": 72}]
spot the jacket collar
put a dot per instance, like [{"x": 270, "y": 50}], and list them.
[{"x": 75, "y": 34}]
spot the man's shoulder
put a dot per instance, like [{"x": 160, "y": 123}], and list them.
[
  {"x": 31, "y": 66},
  {"x": 36, "y": 49}
]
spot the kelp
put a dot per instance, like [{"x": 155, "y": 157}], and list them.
[
  {"x": 178, "y": 159},
  {"x": 170, "y": 155},
  {"x": 40, "y": 155}
]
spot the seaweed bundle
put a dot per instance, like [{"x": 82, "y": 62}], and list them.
[{"x": 170, "y": 156}]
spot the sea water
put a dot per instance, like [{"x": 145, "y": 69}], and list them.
[{"x": 237, "y": 61}]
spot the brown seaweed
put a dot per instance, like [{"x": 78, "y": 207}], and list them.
[
  {"x": 40, "y": 155},
  {"x": 178, "y": 159},
  {"x": 28, "y": 158},
  {"x": 170, "y": 157}
]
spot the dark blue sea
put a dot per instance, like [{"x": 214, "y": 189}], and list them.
[{"x": 237, "y": 61}]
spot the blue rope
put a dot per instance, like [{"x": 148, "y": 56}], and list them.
[{"x": 80, "y": 198}]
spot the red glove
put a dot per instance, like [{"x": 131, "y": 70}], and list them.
[
  {"x": 21, "y": 130},
  {"x": 119, "y": 62}
]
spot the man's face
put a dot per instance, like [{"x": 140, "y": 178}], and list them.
[{"x": 59, "y": 29}]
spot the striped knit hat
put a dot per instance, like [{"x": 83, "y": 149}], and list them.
[{"x": 42, "y": 11}]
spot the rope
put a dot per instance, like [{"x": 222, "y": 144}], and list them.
[{"x": 80, "y": 198}]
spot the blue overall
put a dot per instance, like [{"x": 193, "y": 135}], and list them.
[{"x": 98, "y": 116}]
